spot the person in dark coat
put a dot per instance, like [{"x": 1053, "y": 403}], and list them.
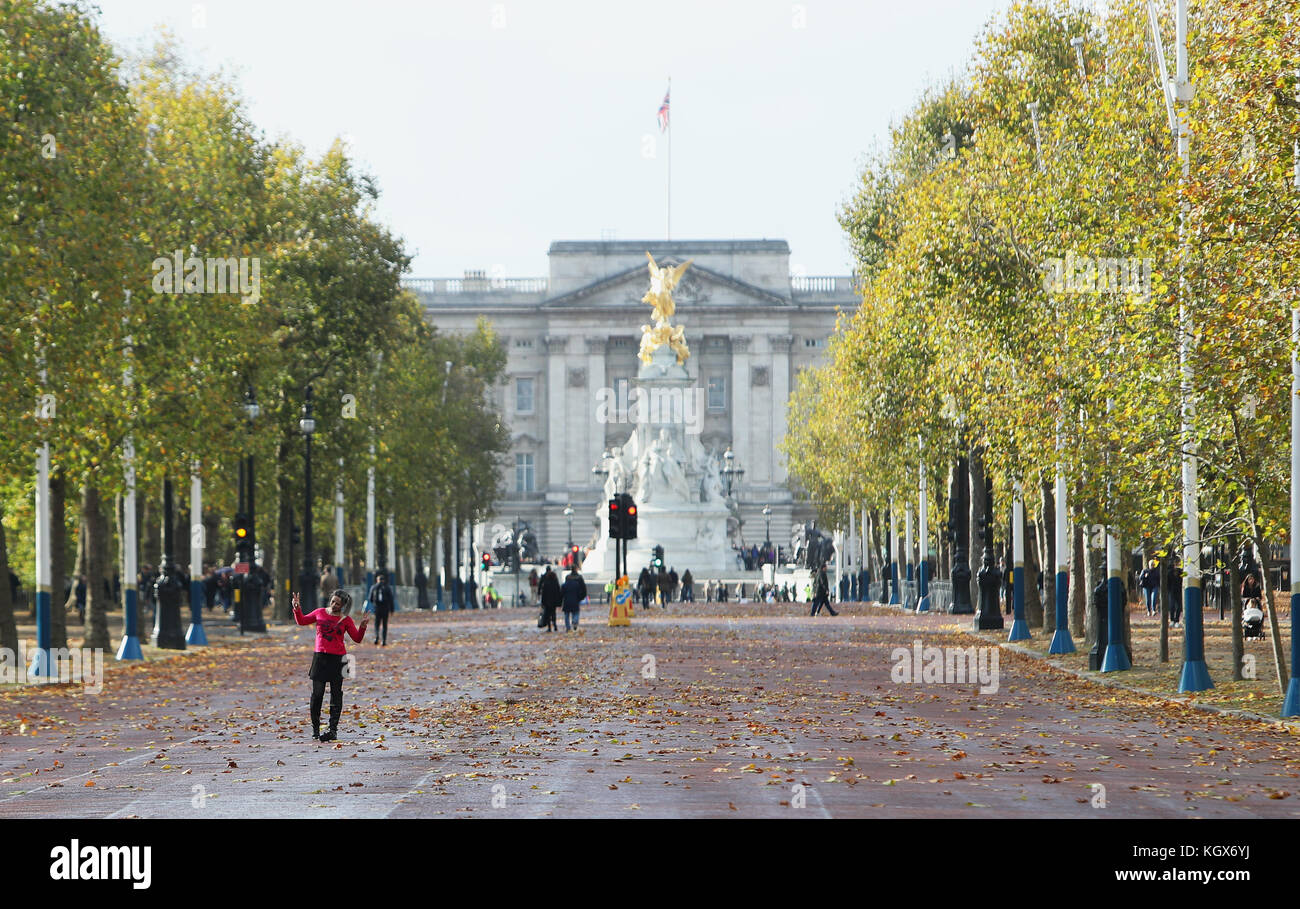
[
  {"x": 1250, "y": 588},
  {"x": 421, "y": 588},
  {"x": 548, "y": 588},
  {"x": 821, "y": 592},
  {"x": 1174, "y": 591},
  {"x": 688, "y": 587},
  {"x": 384, "y": 601},
  {"x": 81, "y": 598},
  {"x": 662, "y": 583},
  {"x": 645, "y": 585},
  {"x": 572, "y": 594},
  {"x": 1149, "y": 581}
]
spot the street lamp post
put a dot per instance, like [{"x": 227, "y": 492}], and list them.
[
  {"x": 308, "y": 426},
  {"x": 250, "y": 588},
  {"x": 990, "y": 578},
  {"x": 195, "y": 635},
  {"x": 568, "y": 513},
  {"x": 923, "y": 535},
  {"x": 894, "y": 598},
  {"x": 767, "y": 534},
  {"x": 731, "y": 474},
  {"x": 168, "y": 588},
  {"x": 1062, "y": 641},
  {"x": 731, "y": 471},
  {"x": 1291, "y": 705},
  {"x": 1019, "y": 627}
]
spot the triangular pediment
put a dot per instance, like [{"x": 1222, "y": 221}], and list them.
[{"x": 700, "y": 286}]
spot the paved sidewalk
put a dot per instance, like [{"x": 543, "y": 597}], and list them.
[{"x": 717, "y": 711}]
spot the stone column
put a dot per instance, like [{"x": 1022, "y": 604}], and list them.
[
  {"x": 555, "y": 412},
  {"x": 741, "y": 409},
  {"x": 595, "y": 431},
  {"x": 780, "y": 397}
]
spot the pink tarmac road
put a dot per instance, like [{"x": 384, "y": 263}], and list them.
[{"x": 700, "y": 711}]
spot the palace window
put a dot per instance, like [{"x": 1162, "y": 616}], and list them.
[
  {"x": 717, "y": 392},
  {"x": 525, "y": 473},
  {"x": 622, "y": 389},
  {"x": 524, "y": 394}
]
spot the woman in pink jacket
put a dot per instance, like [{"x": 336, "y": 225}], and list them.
[{"x": 327, "y": 663}]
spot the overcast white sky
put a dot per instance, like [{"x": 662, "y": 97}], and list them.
[{"x": 496, "y": 127}]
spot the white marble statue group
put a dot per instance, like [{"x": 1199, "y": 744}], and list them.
[{"x": 661, "y": 473}]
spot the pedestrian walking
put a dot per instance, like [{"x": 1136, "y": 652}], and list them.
[
  {"x": 1174, "y": 591},
  {"x": 331, "y": 623},
  {"x": 81, "y": 598},
  {"x": 1149, "y": 581},
  {"x": 645, "y": 585},
  {"x": 533, "y": 581},
  {"x": 1250, "y": 588},
  {"x": 328, "y": 584},
  {"x": 572, "y": 594},
  {"x": 821, "y": 592},
  {"x": 382, "y": 601},
  {"x": 549, "y": 590},
  {"x": 688, "y": 587},
  {"x": 663, "y": 582}
]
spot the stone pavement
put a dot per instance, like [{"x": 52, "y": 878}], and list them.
[{"x": 697, "y": 711}]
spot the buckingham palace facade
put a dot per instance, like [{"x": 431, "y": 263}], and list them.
[{"x": 572, "y": 339}]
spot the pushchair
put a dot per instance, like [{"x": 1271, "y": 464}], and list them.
[{"x": 1252, "y": 619}]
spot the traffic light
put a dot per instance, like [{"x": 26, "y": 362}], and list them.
[
  {"x": 616, "y": 518},
  {"x": 629, "y": 517},
  {"x": 242, "y": 527},
  {"x": 295, "y": 537},
  {"x": 487, "y": 560},
  {"x": 658, "y": 561}
]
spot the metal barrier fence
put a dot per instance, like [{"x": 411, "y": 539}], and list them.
[
  {"x": 940, "y": 596},
  {"x": 909, "y": 597}
]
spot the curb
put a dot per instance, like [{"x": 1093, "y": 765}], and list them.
[
  {"x": 1292, "y": 725},
  {"x": 1108, "y": 683}
]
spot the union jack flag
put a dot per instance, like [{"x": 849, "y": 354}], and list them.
[{"x": 663, "y": 112}]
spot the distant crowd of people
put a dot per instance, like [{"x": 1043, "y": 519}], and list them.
[{"x": 755, "y": 557}]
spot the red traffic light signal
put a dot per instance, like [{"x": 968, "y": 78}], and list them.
[
  {"x": 615, "y": 519},
  {"x": 629, "y": 517}
]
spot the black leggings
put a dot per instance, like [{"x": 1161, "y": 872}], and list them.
[
  {"x": 381, "y": 620},
  {"x": 336, "y": 702}
]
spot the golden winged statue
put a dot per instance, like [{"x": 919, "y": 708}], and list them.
[{"x": 663, "y": 281}]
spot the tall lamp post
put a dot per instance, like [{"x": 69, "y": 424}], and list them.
[
  {"x": 923, "y": 536},
  {"x": 308, "y": 426},
  {"x": 959, "y": 517},
  {"x": 1062, "y": 641},
  {"x": 1291, "y": 705},
  {"x": 767, "y": 533},
  {"x": 990, "y": 578},
  {"x": 250, "y": 590},
  {"x": 731, "y": 472},
  {"x": 168, "y": 587},
  {"x": 568, "y": 513}
]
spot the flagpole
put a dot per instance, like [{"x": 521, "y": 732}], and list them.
[{"x": 669, "y": 130}]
